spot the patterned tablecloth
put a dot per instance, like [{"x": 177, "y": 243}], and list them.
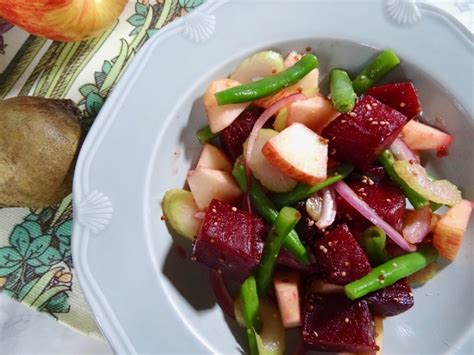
[{"x": 36, "y": 266}]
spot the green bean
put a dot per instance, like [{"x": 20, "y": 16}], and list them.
[
  {"x": 390, "y": 272},
  {"x": 375, "y": 71},
  {"x": 251, "y": 311},
  {"x": 284, "y": 223},
  {"x": 267, "y": 210},
  {"x": 302, "y": 191},
  {"x": 343, "y": 96},
  {"x": 387, "y": 160},
  {"x": 374, "y": 239},
  {"x": 204, "y": 135},
  {"x": 270, "y": 85}
]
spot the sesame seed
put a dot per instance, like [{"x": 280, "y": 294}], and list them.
[
  {"x": 346, "y": 263},
  {"x": 343, "y": 121},
  {"x": 310, "y": 223},
  {"x": 215, "y": 223},
  {"x": 382, "y": 281},
  {"x": 330, "y": 244},
  {"x": 315, "y": 333},
  {"x": 368, "y": 107},
  {"x": 221, "y": 260},
  {"x": 333, "y": 151},
  {"x": 394, "y": 264},
  {"x": 370, "y": 181},
  {"x": 343, "y": 273},
  {"x": 214, "y": 210},
  {"x": 352, "y": 114},
  {"x": 371, "y": 119},
  {"x": 402, "y": 104},
  {"x": 363, "y": 77},
  {"x": 388, "y": 200},
  {"x": 346, "y": 320},
  {"x": 219, "y": 271},
  {"x": 322, "y": 247},
  {"x": 234, "y": 209},
  {"x": 193, "y": 258},
  {"x": 375, "y": 123},
  {"x": 411, "y": 294}
]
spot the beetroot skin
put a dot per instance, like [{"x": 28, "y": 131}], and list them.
[
  {"x": 332, "y": 322},
  {"x": 359, "y": 136},
  {"x": 234, "y": 136},
  {"x": 230, "y": 240},
  {"x": 400, "y": 96},
  {"x": 387, "y": 200},
  {"x": 392, "y": 300},
  {"x": 339, "y": 256}
]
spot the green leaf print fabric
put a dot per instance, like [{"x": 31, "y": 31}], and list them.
[{"x": 36, "y": 265}]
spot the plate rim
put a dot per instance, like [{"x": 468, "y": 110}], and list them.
[{"x": 102, "y": 311}]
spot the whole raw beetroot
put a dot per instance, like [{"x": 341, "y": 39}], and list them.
[
  {"x": 339, "y": 256},
  {"x": 391, "y": 300},
  {"x": 359, "y": 136},
  {"x": 332, "y": 322},
  {"x": 386, "y": 199},
  {"x": 400, "y": 96},
  {"x": 234, "y": 136},
  {"x": 230, "y": 240}
]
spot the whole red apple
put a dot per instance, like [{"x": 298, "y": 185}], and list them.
[{"x": 62, "y": 20}]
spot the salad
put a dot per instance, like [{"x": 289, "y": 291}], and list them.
[{"x": 316, "y": 205}]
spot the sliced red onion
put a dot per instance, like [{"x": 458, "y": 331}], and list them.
[
  {"x": 200, "y": 215},
  {"x": 402, "y": 152},
  {"x": 352, "y": 199},
  {"x": 328, "y": 211},
  {"x": 223, "y": 297},
  {"x": 264, "y": 117},
  {"x": 417, "y": 224}
]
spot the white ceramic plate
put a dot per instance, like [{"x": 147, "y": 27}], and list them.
[{"x": 145, "y": 297}]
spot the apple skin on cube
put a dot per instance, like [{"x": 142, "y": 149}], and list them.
[
  {"x": 207, "y": 184},
  {"x": 450, "y": 229},
  {"x": 419, "y": 136},
  {"x": 359, "y": 136},
  {"x": 230, "y": 240},
  {"x": 299, "y": 153}
]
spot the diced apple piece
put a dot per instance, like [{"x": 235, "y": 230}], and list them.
[
  {"x": 419, "y": 136},
  {"x": 267, "y": 174},
  {"x": 214, "y": 158},
  {"x": 258, "y": 66},
  {"x": 315, "y": 113},
  {"x": 207, "y": 184},
  {"x": 287, "y": 285},
  {"x": 179, "y": 209},
  {"x": 310, "y": 83},
  {"x": 299, "y": 153},
  {"x": 450, "y": 229},
  {"x": 221, "y": 117}
]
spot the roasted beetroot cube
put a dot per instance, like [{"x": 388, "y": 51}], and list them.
[
  {"x": 375, "y": 172},
  {"x": 339, "y": 256},
  {"x": 359, "y": 136},
  {"x": 391, "y": 300},
  {"x": 332, "y": 322},
  {"x": 400, "y": 96},
  {"x": 234, "y": 136},
  {"x": 386, "y": 199},
  {"x": 230, "y": 240}
]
